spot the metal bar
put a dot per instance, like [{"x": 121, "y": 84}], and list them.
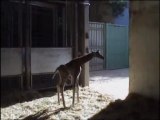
[
  {"x": 28, "y": 47},
  {"x": 11, "y": 26},
  {"x": 66, "y": 24},
  {"x": 64, "y": 27},
  {"x": 97, "y": 42},
  {"x": 76, "y": 29},
  {"x": 20, "y": 25},
  {"x": 56, "y": 23},
  {"x": 41, "y": 4},
  {"x": 53, "y": 37}
]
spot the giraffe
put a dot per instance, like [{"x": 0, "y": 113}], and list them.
[
  {"x": 63, "y": 75},
  {"x": 72, "y": 71}
]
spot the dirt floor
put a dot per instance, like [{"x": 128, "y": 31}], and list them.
[
  {"x": 134, "y": 107},
  {"x": 105, "y": 99},
  {"x": 47, "y": 108},
  {"x": 115, "y": 83},
  {"x": 111, "y": 82},
  {"x": 92, "y": 106}
]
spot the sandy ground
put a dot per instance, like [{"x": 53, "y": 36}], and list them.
[
  {"x": 134, "y": 107},
  {"x": 105, "y": 98},
  {"x": 126, "y": 106},
  {"x": 47, "y": 108},
  {"x": 111, "y": 82}
]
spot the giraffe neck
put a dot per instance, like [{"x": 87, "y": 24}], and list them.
[{"x": 84, "y": 59}]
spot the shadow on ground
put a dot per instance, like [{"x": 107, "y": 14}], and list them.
[
  {"x": 134, "y": 107},
  {"x": 12, "y": 97},
  {"x": 44, "y": 114},
  {"x": 41, "y": 115}
]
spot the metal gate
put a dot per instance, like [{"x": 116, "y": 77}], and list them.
[
  {"x": 112, "y": 41},
  {"x": 117, "y": 46},
  {"x": 96, "y": 42}
]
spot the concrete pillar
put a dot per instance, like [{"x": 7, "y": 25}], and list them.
[
  {"x": 144, "y": 48},
  {"x": 83, "y": 37}
]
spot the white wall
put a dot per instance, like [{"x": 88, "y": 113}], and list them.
[
  {"x": 11, "y": 61},
  {"x": 144, "y": 46},
  {"x": 45, "y": 60}
]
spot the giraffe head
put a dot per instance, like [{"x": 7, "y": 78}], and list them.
[{"x": 97, "y": 54}]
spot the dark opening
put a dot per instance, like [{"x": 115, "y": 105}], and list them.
[
  {"x": 9, "y": 25},
  {"x": 47, "y": 25}
]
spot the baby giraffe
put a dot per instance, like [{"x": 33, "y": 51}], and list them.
[
  {"x": 63, "y": 74},
  {"x": 72, "y": 71}
]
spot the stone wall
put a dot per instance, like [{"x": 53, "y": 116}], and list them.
[{"x": 144, "y": 48}]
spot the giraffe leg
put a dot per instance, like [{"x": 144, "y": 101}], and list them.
[
  {"x": 58, "y": 91},
  {"x": 77, "y": 92},
  {"x": 74, "y": 87},
  {"x": 62, "y": 89},
  {"x": 77, "y": 84}
]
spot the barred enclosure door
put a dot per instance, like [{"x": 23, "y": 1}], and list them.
[
  {"x": 49, "y": 45},
  {"x": 112, "y": 41},
  {"x": 96, "y": 42}
]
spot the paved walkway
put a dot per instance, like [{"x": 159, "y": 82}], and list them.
[{"x": 112, "y": 82}]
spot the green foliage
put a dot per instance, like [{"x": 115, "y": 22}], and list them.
[{"x": 117, "y": 6}]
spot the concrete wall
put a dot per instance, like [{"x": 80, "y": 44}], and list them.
[
  {"x": 144, "y": 48},
  {"x": 45, "y": 60},
  {"x": 11, "y": 61}
]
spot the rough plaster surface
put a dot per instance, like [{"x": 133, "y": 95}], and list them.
[
  {"x": 48, "y": 59},
  {"x": 11, "y": 61},
  {"x": 144, "y": 46},
  {"x": 42, "y": 59}
]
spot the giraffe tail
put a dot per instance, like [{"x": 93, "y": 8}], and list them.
[{"x": 56, "y": 73}]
